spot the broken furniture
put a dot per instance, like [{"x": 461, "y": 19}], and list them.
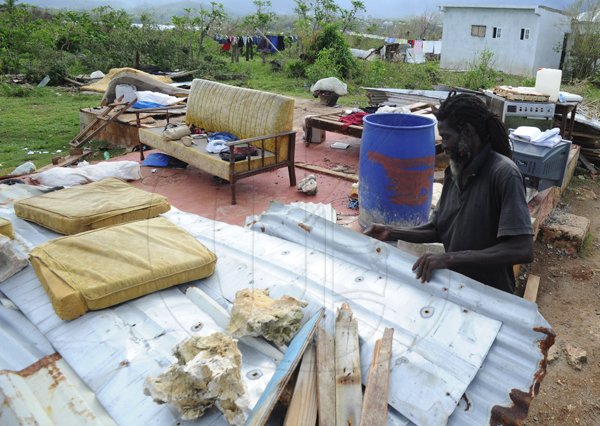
[
  {"x": 100, "y": 122},
  {"x": 260, "y": 119},
  {"x": 95, "y": 205},
  {"x": 332, "y": 123},
  {"x": 566, "y": 110},
  {"x": 101, "y": 268}
]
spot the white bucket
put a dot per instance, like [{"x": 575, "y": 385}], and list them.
[{"x": 547, "y": 81}]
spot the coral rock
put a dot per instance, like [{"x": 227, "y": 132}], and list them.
[
  {"x": 254, "y": 313},
  {"x": 207, "y": 372}
]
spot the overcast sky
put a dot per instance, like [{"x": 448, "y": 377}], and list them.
[{"x": 375, "y": 8}]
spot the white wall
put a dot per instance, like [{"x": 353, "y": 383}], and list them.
[
  {"x": 549, "y": 43},
  {"x": 511, "y": 54}
]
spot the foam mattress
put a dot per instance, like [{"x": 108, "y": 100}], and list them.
[
  {"x": 95, "y": 205},
  {"x": 101, "y": 268},
  {"x": 6, "y": 228}
]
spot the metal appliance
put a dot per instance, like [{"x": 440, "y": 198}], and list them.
[{"x": 522, "y": 113}]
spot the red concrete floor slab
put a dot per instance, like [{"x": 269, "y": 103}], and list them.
[{"x": 195, "y": 191}]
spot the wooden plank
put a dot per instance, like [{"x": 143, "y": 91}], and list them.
[
  {"x": 375, "y": 405},
  {"x": 348, "y": 384},
  {"x": 531, "y": 289},
  {"x": 303, "y": 407},
  {"x": 571, "y": 165},
  {"x": 103, "y": 119},
  {"x": 587, "y": 164},
  {"x": 326, "y": 171},
  {"x": 325, "y": 377},
  {"x": 263, "y": 408}
]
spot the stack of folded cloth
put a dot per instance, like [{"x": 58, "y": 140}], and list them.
[{"x": 535, "y": 136}]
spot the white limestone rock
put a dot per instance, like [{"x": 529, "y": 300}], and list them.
[
  {"x": 207, "y": 373},
  {"x": 12, "y": 259},
  {"x": 254, "y": 313},
  {"x": 308, "y": 185}
]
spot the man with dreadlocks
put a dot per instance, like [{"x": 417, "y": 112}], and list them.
[{"x": 482, "y": 216}]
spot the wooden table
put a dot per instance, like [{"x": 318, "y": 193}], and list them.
[
  {"x": 331, "y": 123},
  {"x": 563, "y": 109}
]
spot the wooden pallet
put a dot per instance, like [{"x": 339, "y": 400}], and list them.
[{"x": 332, "y": 123}]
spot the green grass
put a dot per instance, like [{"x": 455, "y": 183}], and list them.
[
  {"x": 588, "y": 248},
  {"x": 41, "y": 122}
]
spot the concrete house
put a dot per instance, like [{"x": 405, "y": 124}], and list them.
[{"x": 522, "y": 38}]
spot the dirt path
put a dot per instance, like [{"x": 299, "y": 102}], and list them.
[{"x": 569, "y": 298}]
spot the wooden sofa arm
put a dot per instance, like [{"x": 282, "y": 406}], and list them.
[{"x": 248, "y": 141}]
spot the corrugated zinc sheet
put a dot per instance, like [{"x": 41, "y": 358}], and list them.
[
  {"x": 48, "y": 392},
  {"x": 516, "y": 363},
  {"x": 308, "y": 257}
]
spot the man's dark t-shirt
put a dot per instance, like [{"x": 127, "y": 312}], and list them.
[{"x": 491, "y": 205}]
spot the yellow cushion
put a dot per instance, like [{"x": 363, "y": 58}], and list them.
[
  {"x": 104, "y": 267},
  {"x": 95, "y": 205},
  {"x": 198, "y": 156},
  {"x": 6, "y": 228}
]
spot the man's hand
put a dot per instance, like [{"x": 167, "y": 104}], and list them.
[
  {"x": 378, "y": 231},
  {"x": 426, "y": 264}
]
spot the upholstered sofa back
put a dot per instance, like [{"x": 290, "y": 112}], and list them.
[{"x": 244, "y": 112}]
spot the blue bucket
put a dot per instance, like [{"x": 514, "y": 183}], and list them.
[{"x": 397, "y": 158}]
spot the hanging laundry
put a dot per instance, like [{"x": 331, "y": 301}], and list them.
[
  {"x": 428, "y": 46},
  {"x": 280, "y": 43},
  {"x": 273, "y": 40},
  {"x": 418, "y": 46}
]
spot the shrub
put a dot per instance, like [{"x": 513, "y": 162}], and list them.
[
  {"x": 296, "y": 68},
  {"x": 481, "y": 74},
  {"x": 324, "y": 66},
  {"x": 374, "y": 73},
  {"x": 331, "y": 39}
]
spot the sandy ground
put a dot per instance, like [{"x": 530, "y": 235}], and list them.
[{"x": 569, "y": 298}]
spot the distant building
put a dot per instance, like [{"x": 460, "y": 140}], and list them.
[{"x": 522, "y": 38}]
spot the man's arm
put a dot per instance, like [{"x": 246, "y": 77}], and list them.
[
  {"x": 419, "y": 234},
  {"x": 510, "y": 251}
]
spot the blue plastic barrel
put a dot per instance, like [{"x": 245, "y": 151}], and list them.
[{"x": 397, "y": 158}]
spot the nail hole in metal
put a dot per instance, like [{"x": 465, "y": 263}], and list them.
[
  {"x": 427, "y": 312},
  {"x": 359, "y": 279},
  {"x": 285, "y": 252},
  {"x": 254, "y": 374},
  {"x": 197, "y": 326}
]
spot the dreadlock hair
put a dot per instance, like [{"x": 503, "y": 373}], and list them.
[{"x": 459, "y": 109}]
